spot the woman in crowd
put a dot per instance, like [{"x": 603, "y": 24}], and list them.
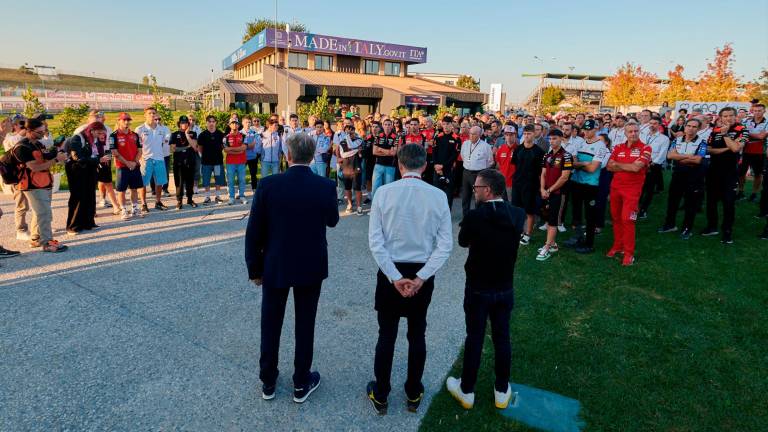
[{"x": 87, "y": 150}]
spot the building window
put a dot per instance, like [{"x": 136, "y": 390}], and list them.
[
  {"x": 297, "y": 60},
  {"x": 323, "y": 62},
  {"x": 391, "y": 68},
  {"x": 372, "y": 67}
]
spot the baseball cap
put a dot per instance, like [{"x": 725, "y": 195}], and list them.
[
  {"x": 589, "y": 125},
  {"x": 183, "y": 119},
  {"x": 236, "y": 121},
  {"x": 124, "y": 116},
  {"x": 509, "y": 129}
]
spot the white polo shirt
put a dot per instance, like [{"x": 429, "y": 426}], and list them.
[{"x": 152, "y": 141}]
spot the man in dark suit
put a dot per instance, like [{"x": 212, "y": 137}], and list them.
[{"x": 285, "y": 246}]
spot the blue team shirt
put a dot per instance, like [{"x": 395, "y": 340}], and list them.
[{"x": 587, "y": 152}]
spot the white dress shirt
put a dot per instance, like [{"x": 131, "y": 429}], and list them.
[
  {"x": 645, "y": 130},
  {"x": 659, "y": 147},
  {"x": 617, "y": 136},
  {"x": 410, "y": 223},
  {"x": 573, "y": 145},
  {"x": 476, "y": 156}
]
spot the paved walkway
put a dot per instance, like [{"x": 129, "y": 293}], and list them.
[{"x": 151, "y": 324}]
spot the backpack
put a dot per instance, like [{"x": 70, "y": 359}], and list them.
[{"x": 10, "y": 167}]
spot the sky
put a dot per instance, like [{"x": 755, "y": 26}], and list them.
[{"x": 495, "y": 41}]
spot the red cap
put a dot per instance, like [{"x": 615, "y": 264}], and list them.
[{"x": 124, "y": 116}]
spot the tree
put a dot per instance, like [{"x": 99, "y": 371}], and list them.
[
  {"x": 467, "y": 82},
  {"x": 69, "y": 119},
  {"x": 758, "y": 89},
  {"x": 443, "y": 111},
  {"x": 718, "y": 82},
  {"x": 145, "y": 80},
  {"x": 252, "y": 28},
  {"x": 631, "y": 85},
  {"x": 321, "y": 108},
  {"x": 165, "y": 113},
  {"x": 32, "y": 104},
  {"x": 678, "y": 88},
  {"x": 551, "y": 96}
]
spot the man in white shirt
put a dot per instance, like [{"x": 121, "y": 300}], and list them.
[
  {"x": 410, "y": 237},
  {"x": 153, "y": 138},
  {"x": 706, "y": 127},
  {"x": 476, "y": 155},
  {"x": 616, "y": 134},
  {"x": 645, "y": 124},
  {"x": 660, "y": 146}
]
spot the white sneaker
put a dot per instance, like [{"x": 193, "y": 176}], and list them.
[
  {"x": 467, "y": 401},
  {"x": 243, "y": 200},
  {"x": 22, "y": 235},
  {"x": 103, "y": 204},
  {"x": 125, "y": 216},
  {"x": 561, "y": 228},
  {"x": 502, "y": 399},
  {"x": 525, "y": 239},
  {"x": 543, "y": 227}
]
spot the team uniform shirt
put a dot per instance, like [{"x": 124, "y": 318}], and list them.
[
  {"x": 627, "y": 154},
  {"x": 504, "y": 163},
  {"x": 756, "y": 146},
  {"x": 179, "y": 139},
  {"x": 727, "y": 162},
  {"x": 659, "y": 147},
  {"x": 322, "y": 145},
  {"x": 235, "y": 140},
  {"x": 419, "y": 139},
  {"x": 589, "y": 152},
  {"x": 127, "y": 144},
  {"x": 153, "y": 141},
  {"x": 211, "y": 143},
  {"x": 554, "y": 163},
  {"x": 429, "y": 139},
  {"x": 252, "y": 136},
  {"x": 271, "y": 146},
  {"x": 477, "y": 156},
  {"x": 386, "y": 142},
  {"x": 697, "y": 147}
]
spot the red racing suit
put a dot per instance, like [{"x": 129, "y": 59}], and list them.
[{"x": 626, "y": 188}]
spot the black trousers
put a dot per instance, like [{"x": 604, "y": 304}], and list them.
[
  {"x": 721, "y": 187},
  {"x": 184, "y": 175},
  {"x": 253, "y": 168},
  {"x": 81, "y": 207},
  {"x": 688, "y": 185},
  {"x": 650, "y": 186},
  {"x": 603, "y": 190},
  {"x": 481, "y": 304},
  {"x": 391, "y": 306},
  {"x": 467, "y": 194},
  {"x": 445, "y": 185},
  {"x": 764, "y": 192},
  {"x": 273, "y": 303},
  {"x": 585, "y": 198}
]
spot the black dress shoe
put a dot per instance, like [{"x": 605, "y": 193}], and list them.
[
  {"x": 7, "y": 253},
  {"x": 379, "y": 406},
  {"x": 301, "y": 394}
]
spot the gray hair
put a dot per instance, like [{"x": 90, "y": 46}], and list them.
[
  {"x": 301, "y": 147},
  {"x": 476, "y": 130},
  {"x": 412, "y": 156}
]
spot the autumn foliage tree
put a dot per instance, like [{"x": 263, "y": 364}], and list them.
[
  {"x": 678, "y": 88},
  {"x": 632, "y": 85},
  {"x": 252, "y": 28},
  {"x": 718, "y": 82},
  {"x": 467, "y": 82}
]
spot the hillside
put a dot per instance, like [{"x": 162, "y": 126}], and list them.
[{"x": 14, "y": 77}]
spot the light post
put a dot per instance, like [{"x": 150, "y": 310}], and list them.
[{"x": 287, "y": 66}]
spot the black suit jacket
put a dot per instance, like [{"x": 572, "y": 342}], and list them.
[{"x": 285, "y": 242}]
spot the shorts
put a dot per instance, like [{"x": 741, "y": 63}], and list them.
[
  {"x": 354, "y": 183},
  {"x": 218, "y": 175},
  {"x": 550, "y": 208},
  {"x": 129, "y": 179},
  {"x": 754, "y": 161},
  {"x": 104, "y": 172},
  {"x": 154, "y": 168},
  {"x": 524, "y": 196}
]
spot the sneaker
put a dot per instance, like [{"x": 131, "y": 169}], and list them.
[
  {"x": 642, "y": 215},
  {"x": 359, "y": 211},
  {"x": 191, "y": 203},
  {"x": 544, "y": 254},
  {"x": 467, "y": 401},
  {"x": 243, "y": 200},
  {"x": 268, "y": 392},
  {"x": 727, "y": 238},
  {"x": 543, "y": 227},
  {"x": 231, "y": 201},
  {"x": 160, "y": 206},
  {"x": 207, "y": 200},
  {"x": 612, "y": 253},
  {"x": 502, "y": 399},
  {"x": 666, "y": 229},
  {"x": 525, "y": 239},
  {"x": 54, "y": 247},
  {"x": 179, "y": 206},
  {"x": 412, "y": 405},
  {"x": 301, "y": 394},
  {"x": 379, "y": 406},
  {"x": 709, "y": 232},
  {"x": 71, "y": 232},
  {"x": 166, "y": 193},
  {"x": 105, "y": 204},
  {"x": 7, "y": 253},
  {"x": 144, "y": 209},
  {"x": 218, "y": 200},
  {"x": 764, "y": 235},
  {"x": 628, "y": 260},
  {"x": 22, "y": 235},
  {"x": 125, "y": 216},
  {"x": 561, "y": 228},
  {"x": 367, "y": 201},
  {"x": 686, "y": 234},
  {"x": 573, "y": 241},
  {"x": 585, "y": 250}
]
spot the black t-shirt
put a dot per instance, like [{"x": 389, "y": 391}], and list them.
[
  {"x": 212, "y": 144},
  {"x": 527, "y": 165},
  {"x": 386, "y": 142},
  {"x": 27, "y": 151},
  {"x": 727, "y": 161},
  {"x": 179, "y": 139}
]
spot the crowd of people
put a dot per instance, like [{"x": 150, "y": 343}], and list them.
[{"x": 554, "y": 166}]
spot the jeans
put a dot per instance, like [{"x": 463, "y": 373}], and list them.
[
  {"x": 479, "y": 306},
  {"x": 382, "y": 175},
  {"x": 319, "y": 168},
  {"x": 269, "y": 168},
  {"x": 40, "y": 202},
  {"x": 239, "y": 171}
]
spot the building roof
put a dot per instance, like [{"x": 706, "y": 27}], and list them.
[{"x": 253, "y": 91}]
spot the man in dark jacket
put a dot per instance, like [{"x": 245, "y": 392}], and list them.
[
  {"x": 491, "y": 232},
  {"x": 285, "y": 246},
  {"x": 447, "y": 144}
]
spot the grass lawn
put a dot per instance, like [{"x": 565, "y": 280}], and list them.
[
  {"x": 69, "y": 82},
  {"x": 678, "y": 342}
]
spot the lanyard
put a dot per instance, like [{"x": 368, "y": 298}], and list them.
[
  {"x": 413, "y": 176},
  {"x": 472, "y": 149}
]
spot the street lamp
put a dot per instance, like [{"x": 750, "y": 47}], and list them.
[{"x": 287, "y": 66}]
